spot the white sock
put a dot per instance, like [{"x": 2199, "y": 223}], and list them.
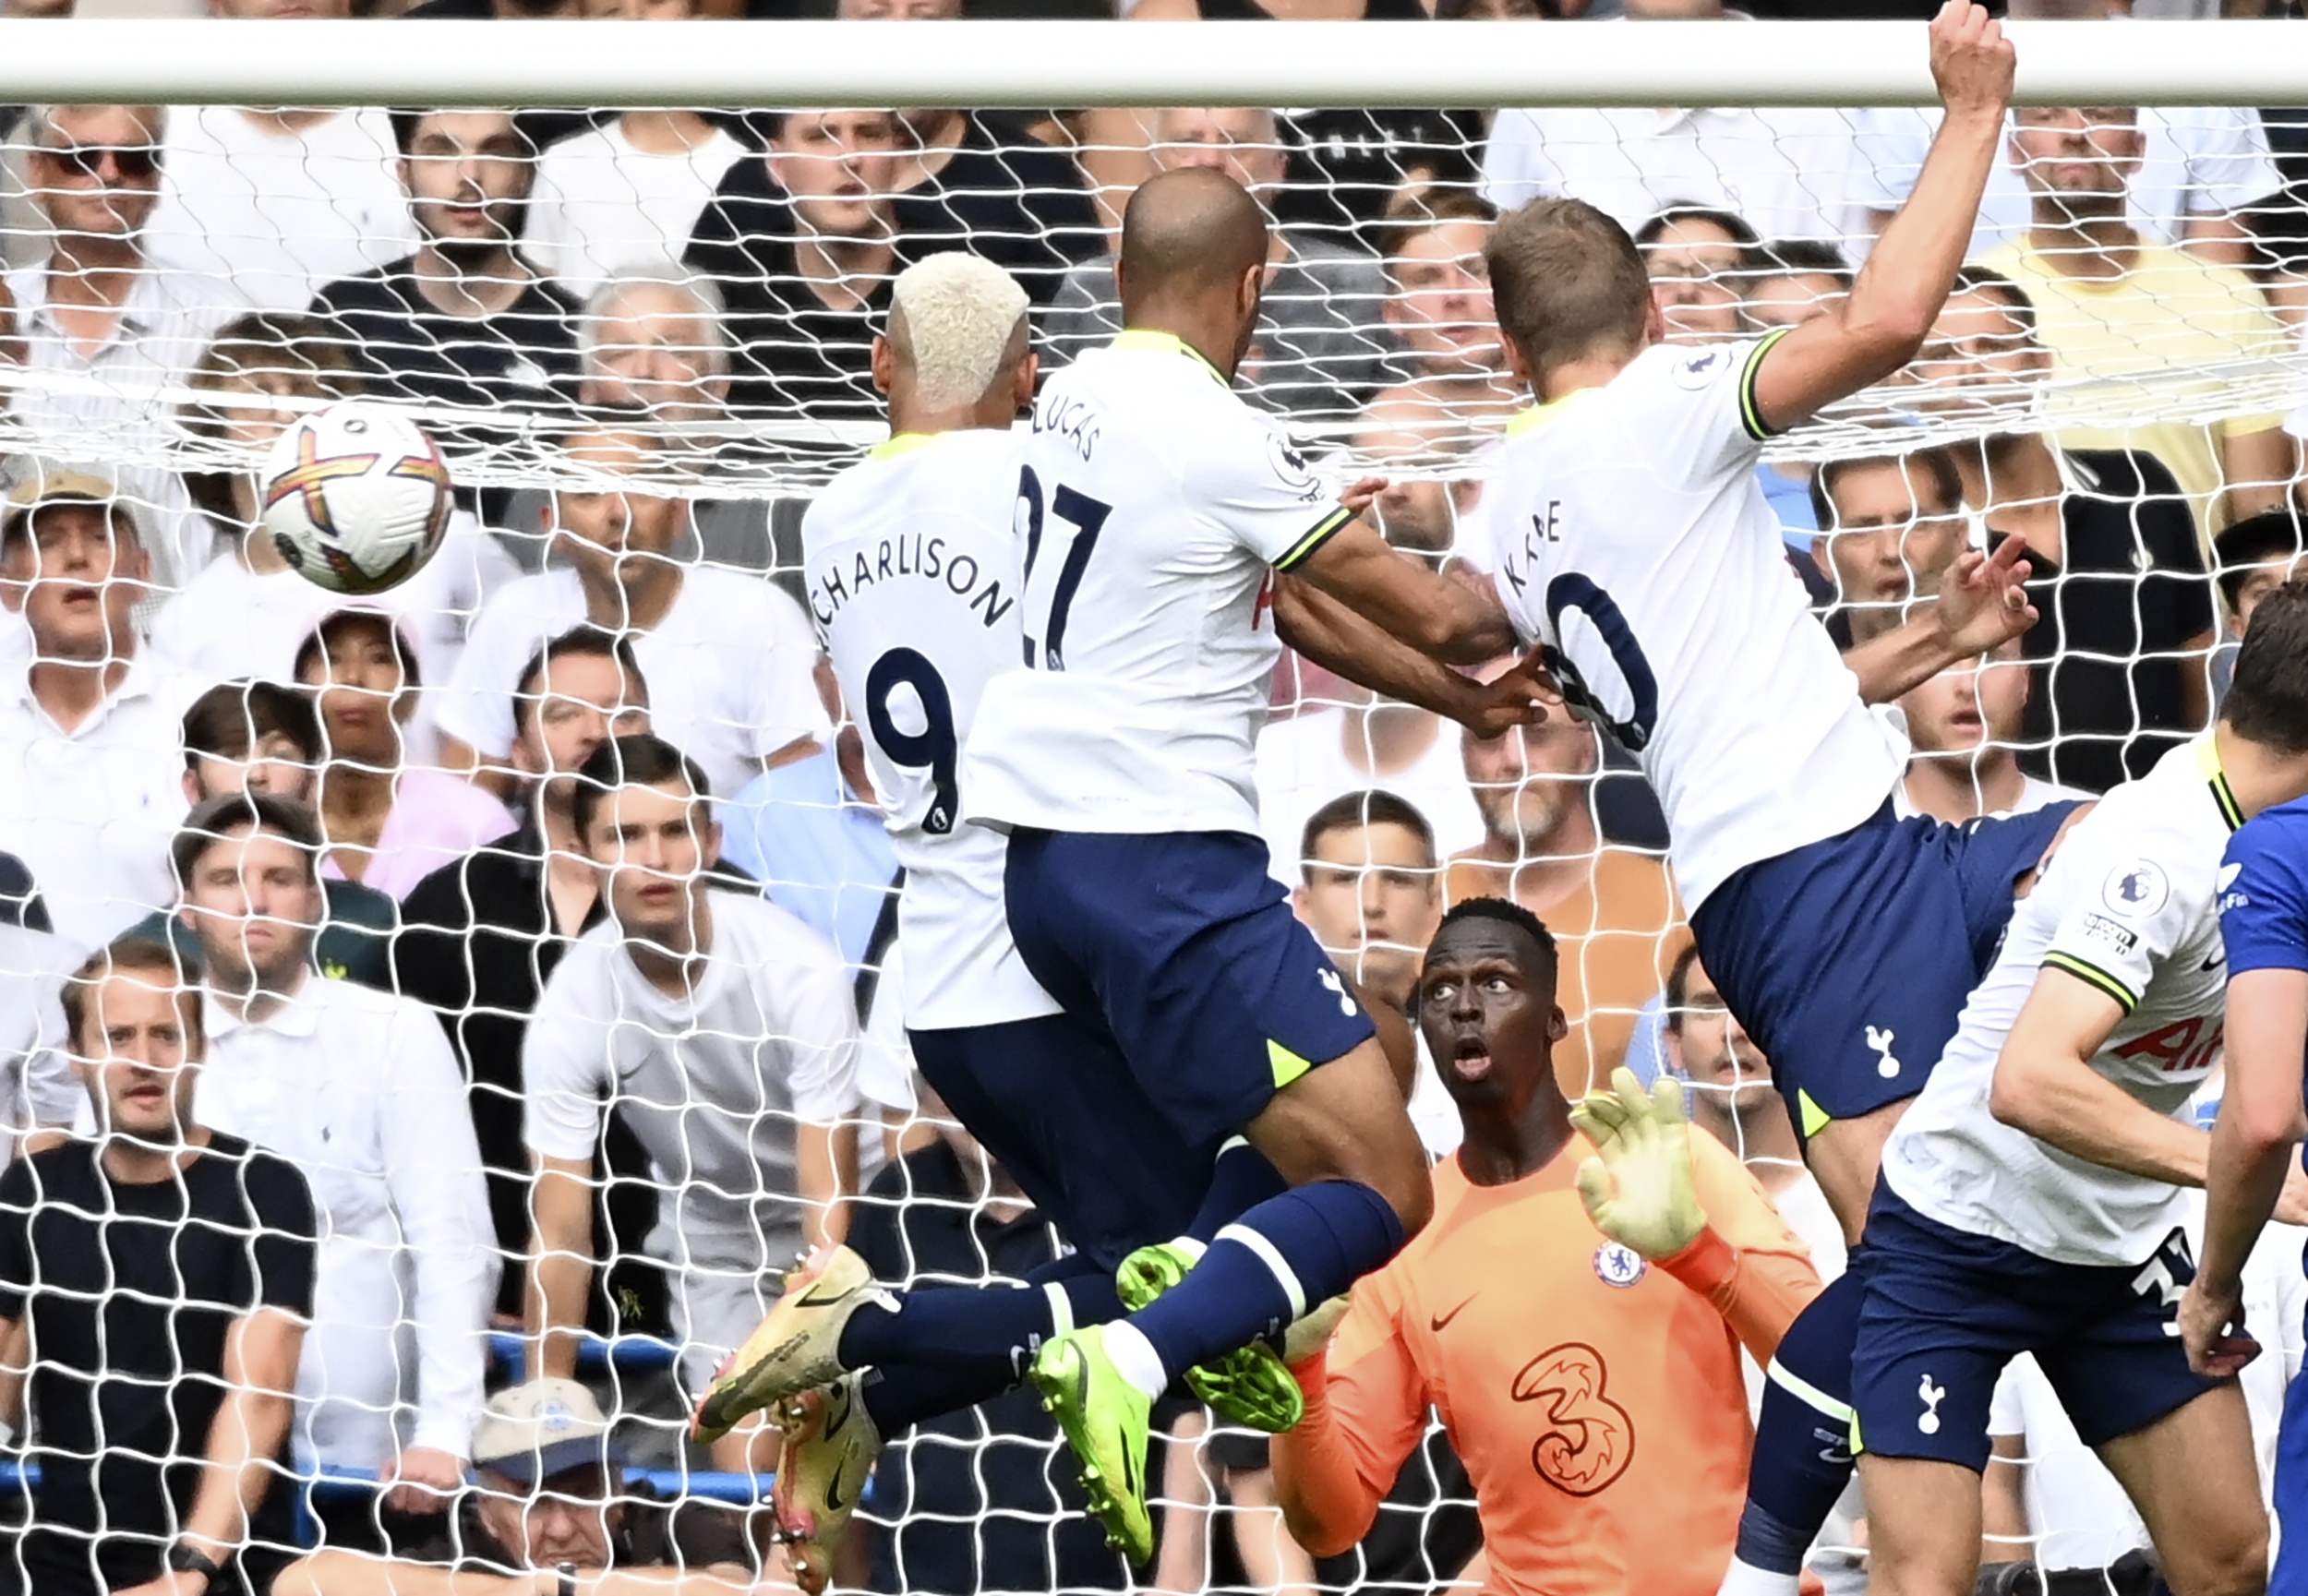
[
  {"x": 1192, "y": 1247},
  {"x": 1744, "y": 1579},
  {"x": 1135, "y": 1359}
]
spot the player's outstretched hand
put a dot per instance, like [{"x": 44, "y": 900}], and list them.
[
  {"x": 2212, "y": 1328},
  {"x": 1525, "y": 695},
  {"x": 1983, "y": 598},
  {"x": 1312, "y": 1334},
  {"x": 1971, "y": 60},
  {"x": 1637, "y": 1186}
]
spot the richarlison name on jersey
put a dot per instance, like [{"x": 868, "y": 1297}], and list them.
[{"x": 923, "y": 557}]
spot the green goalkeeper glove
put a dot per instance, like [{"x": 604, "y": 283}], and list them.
[{"x": 1637, "y": 1186}]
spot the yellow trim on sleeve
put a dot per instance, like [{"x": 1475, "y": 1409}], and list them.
[
  {"x": 1324, "y": 530},
  {"x": 1287, "y": 1067},
  {"x": 2093, "y": 975},
  {"x": 1750, "y": 417},
  {"x": 2207, "y": 759}
]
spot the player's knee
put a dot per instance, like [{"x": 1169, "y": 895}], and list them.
[{"x": 2231, "y": 1562}]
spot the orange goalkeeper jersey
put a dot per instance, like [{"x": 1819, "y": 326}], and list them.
[{"x": 1597, "y": 1400}]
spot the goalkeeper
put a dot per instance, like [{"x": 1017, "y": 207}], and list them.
[{"x": 1574, "y": 1313}]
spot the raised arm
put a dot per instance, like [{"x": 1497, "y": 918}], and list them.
[
  {"x": 1881, "y": 325},
  {"x": 1363, "y": 1419},
  {"x": 1982, "y": 604}
]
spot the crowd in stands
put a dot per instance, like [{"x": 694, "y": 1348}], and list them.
[{"x": 531, "y": 924}]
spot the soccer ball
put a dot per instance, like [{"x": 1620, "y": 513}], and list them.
[{"x": 355, "y": 496}]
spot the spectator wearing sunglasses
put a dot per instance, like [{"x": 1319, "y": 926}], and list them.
[{"x": 96, "y": 306}]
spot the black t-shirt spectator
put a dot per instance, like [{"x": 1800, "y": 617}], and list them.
[
  {"x": 655, "y": 1534},
  {"x": 476, "y": 944},
  {"x": 2131, "y": 594},
  {"x": 984, "y": 1499},
  {"x": 131, "y": 1289},
  {"x": 796, "y": 354},
  {"x": 1019, "y": 204},
  {"x": 524, "y": 358}
]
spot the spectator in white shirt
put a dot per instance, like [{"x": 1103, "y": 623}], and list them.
[
  {"x": 280, "y": 200},
  {"x": 389, "y": 824},
  {"x": 2200, "y": 168},
  {"x": 727, "y": 657},
  {"x": 724, "y": 1034},
  {"x": 97, "y": 308},
  {"x": 1787, "y": 171},
  {"x": 359, "y": 1090},
  {"x": 627, "y": 190},
  {"x": 89, "y": 722},
  {"x": 1965, "y": 724},
  {"x": 247, "y": 612}
]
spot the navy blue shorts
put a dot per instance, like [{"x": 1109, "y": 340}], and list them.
[
  {"x": 1848, "y": 960},
  {"x": 2290, "y": 1574},
  {"x": 1183, "y": 949},
  {"x": 1052, "y": 1101},
  {"x": 1946, "y": 1309}
]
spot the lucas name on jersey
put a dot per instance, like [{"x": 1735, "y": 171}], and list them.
[{"x": 920, "y": 556}]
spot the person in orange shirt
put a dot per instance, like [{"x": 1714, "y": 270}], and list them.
[
  {"x": 1616, "y": 920},
  {"x": 1577, "y": 1321}
]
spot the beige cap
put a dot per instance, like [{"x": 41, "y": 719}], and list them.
[
  {"x": 534, "y": 1431},
  {"x": 44, "y": 485}
]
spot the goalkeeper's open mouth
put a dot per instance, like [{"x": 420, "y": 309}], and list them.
[{"x": 1470, "y": 1057}]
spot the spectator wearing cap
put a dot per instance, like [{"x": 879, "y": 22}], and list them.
[
  {"x": 2110, "y": 302},
  {"x": 727, "y": 655},
  {"x": 99, "y": 309},
  {"x": 2118, "y": 570},
  {"x": 481, "y": 936},
  {"x": 357, "y": 1089},
  {"x": 1317, "y": 349},
  {"x": 463, "y": 320},
  {"x": 89, "y": 764},
  {"x": 162, "y": 1275},
  {"x": 247, "y": 612},
  {"x": 803, "y": 242},
  {"x": 389, "y": 824},
  {"x": 259, "y": 737},
  {"x": 551, "y": 1509}
]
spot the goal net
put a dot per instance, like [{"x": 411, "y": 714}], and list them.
[{"x": 643, "y": 338}]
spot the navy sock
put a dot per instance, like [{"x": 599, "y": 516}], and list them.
[
  {"x": 1803, "y": 1435},
  {"x": 1239, "y": 1181},
  {"x": 1281, "y": 1258},
  {"x": 985, "y": 1334}
]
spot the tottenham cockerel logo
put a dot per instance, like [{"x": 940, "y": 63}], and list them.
[{"x": 1589, "y": 1439}]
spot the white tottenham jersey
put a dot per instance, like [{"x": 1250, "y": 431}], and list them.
[
  {"x": 1155, "y": 505},
  {"x": 2129, "y": 905},
  {"x": 912, "y": 562},
  {"x": 1635, "y": 544}
]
